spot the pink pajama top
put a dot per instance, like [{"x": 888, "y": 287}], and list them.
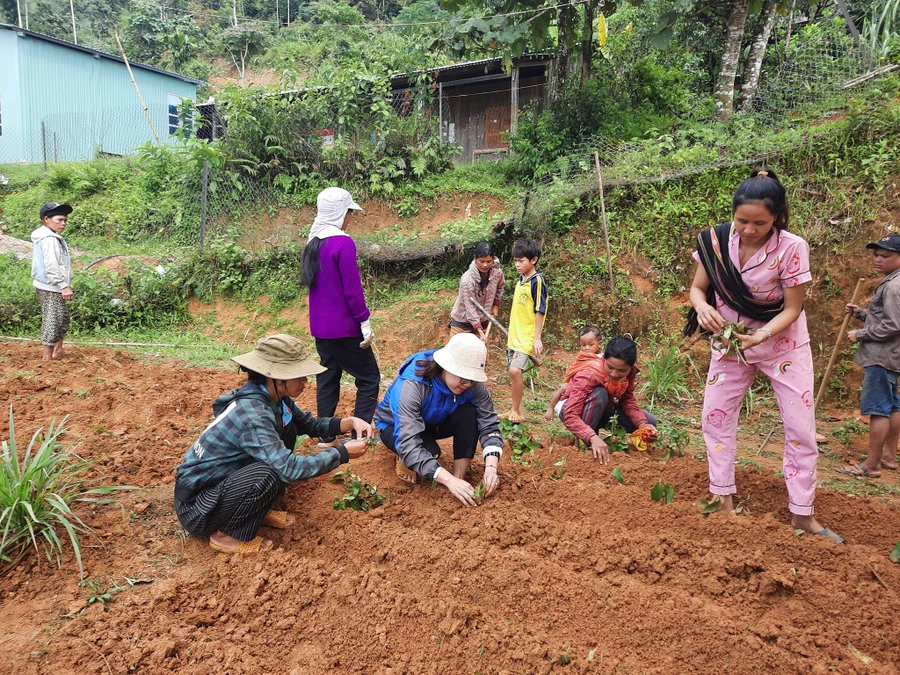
[{"x": 782, "y": 262}]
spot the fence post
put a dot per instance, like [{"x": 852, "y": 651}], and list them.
[
  {"x": 203, "y": 202},
  {"x": 44, "y": 143}
]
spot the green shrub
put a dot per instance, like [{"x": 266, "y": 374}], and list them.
[
  {"x": 20, "y": 311},
  {"x": 37, "y": 491}
]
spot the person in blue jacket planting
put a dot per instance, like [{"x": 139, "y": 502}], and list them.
[{"x": 440, "y": 393}]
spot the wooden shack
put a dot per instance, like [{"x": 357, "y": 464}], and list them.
[{"x": 478, "y": 102}]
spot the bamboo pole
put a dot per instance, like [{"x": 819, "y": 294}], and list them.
[
  {"x": 612, "y": 281},
  {"x": 837, "y": 345},
  {"x": 137, "y": 89}
]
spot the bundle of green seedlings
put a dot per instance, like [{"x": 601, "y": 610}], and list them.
[
  {"x": 728, "y": 343},
  {"x": 360, "y": 495}
]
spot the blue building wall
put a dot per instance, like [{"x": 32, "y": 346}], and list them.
[
  {"x": 10, "y": 99},
  {"x": 86, "y": 102}
]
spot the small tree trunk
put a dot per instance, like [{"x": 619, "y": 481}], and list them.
[
  {"x": 731, "y": 56},
  {"x": 750, "y": 85},
  {"x": 565, "y": 15},
  {"x": 587, "y": 40}
]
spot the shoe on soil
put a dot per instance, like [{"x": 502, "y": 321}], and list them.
[
  {"x": 278, "y": 519},
  {"x": 859, "y": 470},
  {"x": 825, "y": 532},
  {"x": 405, "y": 474},
  {"x": 255, "y": 545}
]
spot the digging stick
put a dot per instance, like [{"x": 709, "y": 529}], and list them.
[
  {"x": 612, "y": 283},
  {"x": 536, "y": 359},
  {"x": 837, "y": 345}
]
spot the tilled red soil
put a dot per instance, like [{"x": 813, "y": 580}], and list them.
[{"x": 580, "y": 575}]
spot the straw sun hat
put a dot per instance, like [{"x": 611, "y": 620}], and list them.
[
  {"x": 281, "y": 357},
  {"x": 464, "y": 357}
]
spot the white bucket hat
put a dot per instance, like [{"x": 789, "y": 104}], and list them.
[
  {"x": 281, "y": 357},
  {"x": 463, "y": 356}
]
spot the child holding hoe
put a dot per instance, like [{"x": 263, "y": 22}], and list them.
[
  {"x": 753, "y": 270},
  {"x": 526, "y": 320},
  {"x": 879, "y": 354}
]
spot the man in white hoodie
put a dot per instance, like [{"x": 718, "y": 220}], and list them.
[{"x": 51, "y": 271}]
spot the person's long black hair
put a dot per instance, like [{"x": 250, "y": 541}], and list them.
[{"x": 309, "y": 265}]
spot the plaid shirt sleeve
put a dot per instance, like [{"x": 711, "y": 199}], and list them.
[{"x": 260, "y": 441}]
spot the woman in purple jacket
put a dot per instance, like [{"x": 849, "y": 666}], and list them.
[{"x": 338, "y": 316}]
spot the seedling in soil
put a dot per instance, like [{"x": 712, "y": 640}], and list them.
[
  {"x": 360, "y": 495},
  {"x": 673, "y": 442},
  {"x": 711, "y": 506},
  {"x": 522, "y": 446},
  {"x": 618, "y": 475},
  {"x": 662, "y": 492},
  {"x": 559, "y": 471},
  {"x": 480, "y": 491},
  {"x": 616, "y": 438},
  {"x": 894, "y": 556}
]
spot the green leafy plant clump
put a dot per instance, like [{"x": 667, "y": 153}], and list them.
[
  {"x": 521, "y": 445},
  {"x": 360, "y": 495},
  {"x": 37, "y": 492}
]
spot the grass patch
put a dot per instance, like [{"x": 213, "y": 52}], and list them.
[{"x": 37, "y": 491}]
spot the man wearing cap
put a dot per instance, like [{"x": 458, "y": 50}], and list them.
[
  {"x": 51, "y": 274},
  {"x": 233, "y": 473},
  {"x": 338, "y": 315},
  {"x": 879, "y": 353}
]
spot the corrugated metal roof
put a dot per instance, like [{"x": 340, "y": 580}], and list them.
[
  {"x": 474, "y": 65},
  {"x": 99, "y": 52}
]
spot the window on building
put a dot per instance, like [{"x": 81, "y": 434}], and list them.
[{"x": 180, "y": 114}]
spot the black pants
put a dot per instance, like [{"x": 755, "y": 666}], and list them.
[
  {"x": 462, "y": 425},
  {"x": 598, "y": 411},
  {"x": 345, "y": 355},
  {"x": 236, "y": 506}
]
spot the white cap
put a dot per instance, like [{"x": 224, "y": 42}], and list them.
[{"x": 463, "y": 356}]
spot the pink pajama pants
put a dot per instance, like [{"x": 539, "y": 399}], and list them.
[{"x": 791, "y": 375}]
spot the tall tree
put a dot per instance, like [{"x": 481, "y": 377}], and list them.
[
  {"x": 731, "y": 56},
  {"x": 753, "y": 67}
]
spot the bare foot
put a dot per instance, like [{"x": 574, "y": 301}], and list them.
[{"x": 58, "y": 353}]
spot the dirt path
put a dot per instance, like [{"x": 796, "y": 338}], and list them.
[{"x": 581, "y": 569}]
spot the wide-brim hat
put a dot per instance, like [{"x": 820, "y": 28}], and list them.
[
  {"x": 281, "y": 357},
  {"x": 336, "y": 199},
  {"x": 889, "y": 243},
  {"x": 463, "y": 356}
]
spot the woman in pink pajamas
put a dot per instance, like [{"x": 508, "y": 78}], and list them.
[{"x": 754, "y": 270}]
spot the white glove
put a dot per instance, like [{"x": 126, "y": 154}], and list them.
[{"x": 368, "y": 335}]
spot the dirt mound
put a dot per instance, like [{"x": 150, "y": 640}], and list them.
[{"x": 580, "y": 573}]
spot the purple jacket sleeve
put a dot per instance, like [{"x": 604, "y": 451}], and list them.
[{"x": 349, "y": 270}]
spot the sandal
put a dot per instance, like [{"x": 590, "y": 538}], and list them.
[
  {"x": 405, "y": 474},
  {"x": 255, "y": 545},
  {"x": 859, "y": 471},
  {"x": 278, "y": 519},
  {"x": 515, "y": 417},
  {"x": 834, "y": 536},
  {"x": 889, "y": 467}
]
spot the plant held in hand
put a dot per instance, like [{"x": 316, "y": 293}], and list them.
[{"x": 727, "y": 343}]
